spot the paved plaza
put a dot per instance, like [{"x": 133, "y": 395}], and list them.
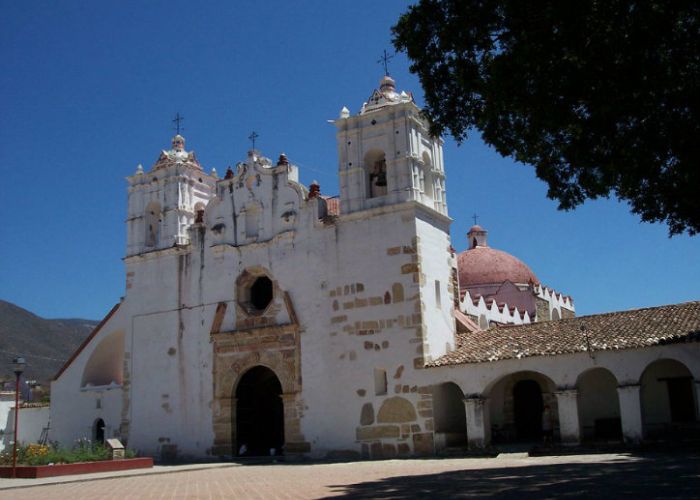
[{"x": 668, "y": 475}]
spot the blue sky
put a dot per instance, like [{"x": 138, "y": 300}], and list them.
[{"x": 88, "y": 91}]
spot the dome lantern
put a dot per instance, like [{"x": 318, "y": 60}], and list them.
[{"x": 476, "y": 237}]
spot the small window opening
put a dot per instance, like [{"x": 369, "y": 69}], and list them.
[
  {"x": 437, "y": 294},
  {"x": 380, "y": 383},
  {"x": 261, "y": 293}
]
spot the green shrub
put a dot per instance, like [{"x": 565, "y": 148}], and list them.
[{"x": 41, "y": 454}]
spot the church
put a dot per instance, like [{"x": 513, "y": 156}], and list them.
[{"x": 263, "y": 317}]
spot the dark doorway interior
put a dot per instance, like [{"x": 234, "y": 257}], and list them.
[
  {"x": 527, "y": 407},
  {"x": 680, "y": 398},
  {"x": 100, "y": 431},
  {"x": 259, "y": 413}
]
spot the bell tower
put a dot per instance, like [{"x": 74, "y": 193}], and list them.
[
  {"x": 166, "y": 200},
  {"x": 387, "y": 155}
]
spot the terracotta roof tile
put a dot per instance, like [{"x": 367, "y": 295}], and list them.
[{"x": 601, "y": 332}]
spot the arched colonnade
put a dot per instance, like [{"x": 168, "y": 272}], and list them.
[{"x": 661, "y": 402}]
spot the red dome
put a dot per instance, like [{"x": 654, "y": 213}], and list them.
[{"x": 484, "y": 265}]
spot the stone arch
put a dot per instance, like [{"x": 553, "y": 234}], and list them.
[
  {"x": 376, "y": 173},
  {"x": 555, "y": 314},
  {"x": 668, "y": 397},
  {"x": 598, "y": 404},
  {"x": 152, "y": 222},
  {"x": 228, "y": 371},
  {"x": 516, "y": 403},
  {"x": 274, "y": 360},
  {"x": 106, "y": 363},
  {"x": 450, "y": 416}
]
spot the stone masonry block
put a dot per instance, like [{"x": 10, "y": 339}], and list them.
[{"x": 377, "y": 432}]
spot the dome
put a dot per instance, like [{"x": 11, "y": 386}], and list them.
[{"x": 485, "y": 265}]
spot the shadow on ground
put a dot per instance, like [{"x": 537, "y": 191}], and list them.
[{"x": 647, "y": 476}]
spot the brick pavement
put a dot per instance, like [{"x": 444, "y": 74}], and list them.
[{"x": 610, "y": 475}]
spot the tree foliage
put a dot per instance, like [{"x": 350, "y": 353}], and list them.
[{"x": 600, "y": 96}]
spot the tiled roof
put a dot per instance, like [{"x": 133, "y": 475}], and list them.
[{"x": 601, "y": 332}]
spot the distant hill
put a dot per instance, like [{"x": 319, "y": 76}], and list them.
[{"x": 46, "y": 344}]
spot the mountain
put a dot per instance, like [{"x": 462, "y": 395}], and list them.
[{"x": 46, "y": 344}]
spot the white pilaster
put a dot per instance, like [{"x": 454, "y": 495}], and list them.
[
  {"x": 569, "y": 427},
  {"x": 478, "y": 422},
  {"x": 630, "y": 413}
]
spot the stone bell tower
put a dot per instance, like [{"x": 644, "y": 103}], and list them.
[
  {"x": 165, "y": 201},
  {"x": 387, "y": 155}
]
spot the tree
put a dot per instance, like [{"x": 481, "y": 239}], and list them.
[{"x": 601, "y": 97}]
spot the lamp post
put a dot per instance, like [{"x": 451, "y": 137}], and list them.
[{"x": 18, "y": 365}]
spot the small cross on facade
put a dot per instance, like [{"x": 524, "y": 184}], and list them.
[
  {"x": 385, "y": 61},
  {"x": 177, "y": 121},
  {"x": 476, "y": 219},
  {"x": 252, "y": 138}
]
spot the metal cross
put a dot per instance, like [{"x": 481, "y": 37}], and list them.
[
  {"x": 177, "y": 121},
  {"x": 252, "y": 138},
  {"x": 476, "y": 218},
  {"x": 385, "y": 61}
]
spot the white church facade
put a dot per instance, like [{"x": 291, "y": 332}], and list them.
[{"x": 261, "y": 316}]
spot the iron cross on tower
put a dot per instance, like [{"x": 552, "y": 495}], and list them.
[
  {"x": 476, "y": 219},
  {"x": 252, "y": 137},
  {"x": 385, "y": 61},
  {"x": 177, "y": 121}
]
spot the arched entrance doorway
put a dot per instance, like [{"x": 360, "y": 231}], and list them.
[
  {"x": 599, "y": 405},
  {"x": 516, "y": 405},
  {"x": 259, "y": 413},
  {"x": 99, "y": 431},
  {"x": 527, "y": 410},
  {"x": 668, "y": 400}
]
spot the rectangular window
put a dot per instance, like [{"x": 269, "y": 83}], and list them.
[
  {"x": 379, "y": 382},
  {"x": 437, "y": 294}
]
